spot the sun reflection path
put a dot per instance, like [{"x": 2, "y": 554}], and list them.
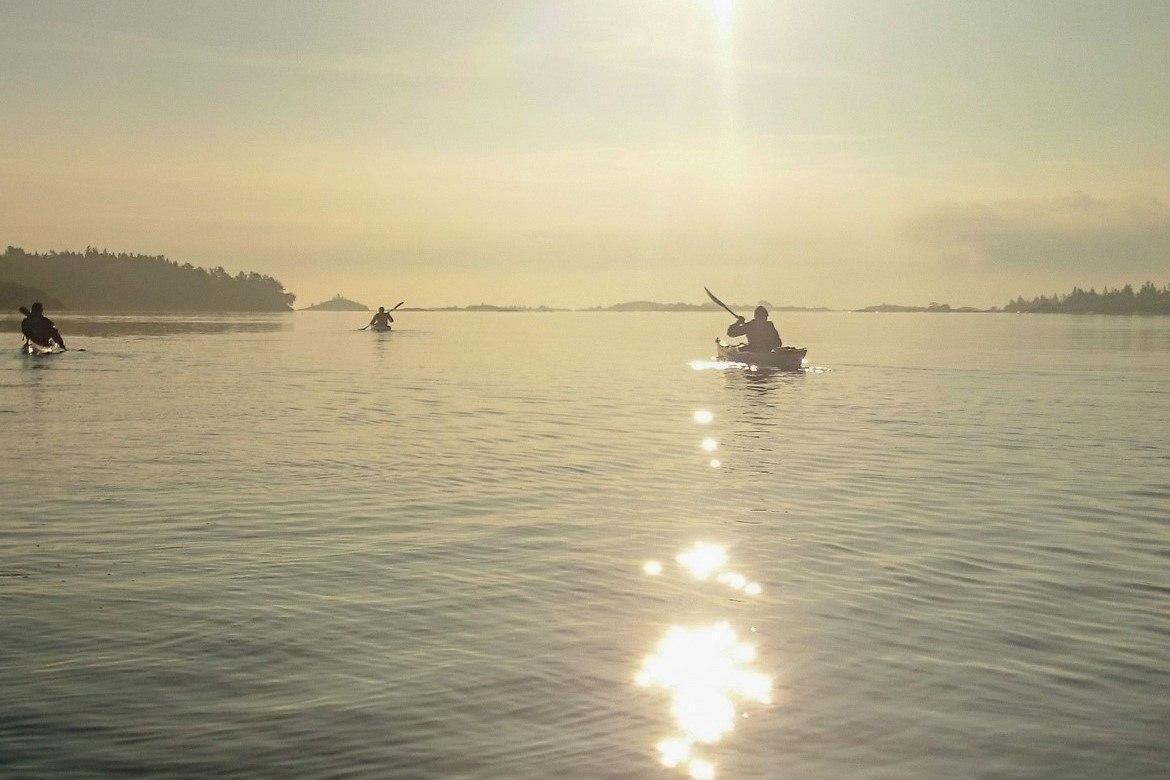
[
  {"x": 703, "y": 559},
  {"x": 706, "y": 670},
  {"x": 720, "y": 365},
  {"x": 714, "y": 364}
]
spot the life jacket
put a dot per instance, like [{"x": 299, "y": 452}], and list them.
[
  {"x": 38, "y": 328},
  {"x": 761, "y": 334}
]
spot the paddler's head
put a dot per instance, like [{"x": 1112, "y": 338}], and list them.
[
  {"x": 381, "y": 309},
  {"x": 761, "y": 313},
  {"x": 37, "y": 308}
]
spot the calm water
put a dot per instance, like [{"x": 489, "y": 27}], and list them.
[{"x": 276, "y": 546}]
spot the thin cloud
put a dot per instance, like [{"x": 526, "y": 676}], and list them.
[
  {"x": 464, "y": 62},
  {"x": 1075, "y": 233}
]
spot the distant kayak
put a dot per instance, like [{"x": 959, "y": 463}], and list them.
[
  {"x": 379, "y": 328},
  {"x": 34, "y": 349},
  {"x": 785, "y": 358}
]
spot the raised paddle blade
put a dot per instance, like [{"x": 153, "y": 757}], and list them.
[
  {"x": 711, "y": 295},
  {"x": 399, "y": 304}
]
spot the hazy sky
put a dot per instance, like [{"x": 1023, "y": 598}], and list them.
[{"x": 593, "y": 152}]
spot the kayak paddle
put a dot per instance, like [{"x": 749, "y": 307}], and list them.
[{"x": 711, "y": 295}]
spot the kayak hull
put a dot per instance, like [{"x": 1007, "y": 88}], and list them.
[
  {"x": 783, "y": 359},
  {"x": 34, "y": 349},
  {"x": 381, "y": 328}
]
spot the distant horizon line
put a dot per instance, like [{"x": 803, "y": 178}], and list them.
[{"x": 1149, "y": 299}]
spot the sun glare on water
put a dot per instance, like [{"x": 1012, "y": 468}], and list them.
[
  {"x": 706, "y": 669},
  {"x": 702, "y": 559}
]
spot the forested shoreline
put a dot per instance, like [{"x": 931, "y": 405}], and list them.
[
  {"x": 1148, "y": 299},
  {"x": 98, "y": 280}
]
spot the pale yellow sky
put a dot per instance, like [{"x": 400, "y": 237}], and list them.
[{"x": 582, "y": 153}]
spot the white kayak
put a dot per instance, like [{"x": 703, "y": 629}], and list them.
[
  {"x": 784, "y": 358},
  {"x": 35, "y": 349}
]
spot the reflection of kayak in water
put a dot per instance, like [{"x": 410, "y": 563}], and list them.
[
  {"x": 379, "y": 328},
  {"x": 33, "y": 348},
  {"x": 785, "y": 358}
]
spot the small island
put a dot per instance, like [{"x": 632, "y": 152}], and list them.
[
  {"x": 698, "y": 307},
  {"x": 337, "y": 303},
  {"x": 628, "y": 306},
  {"x": 939, "y": 308},
  {"x": 484, "y": 307}
]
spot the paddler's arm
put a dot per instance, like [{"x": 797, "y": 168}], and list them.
[{"x": 54, "y": 334}]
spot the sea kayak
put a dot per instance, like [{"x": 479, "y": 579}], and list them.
[
  {"x": 379, "y": 328},
  {"x": 33, "y": 348},
  {"x": 785, "y": 358}
]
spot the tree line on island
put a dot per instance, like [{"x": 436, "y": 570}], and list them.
[
  {"x": 1148, "y": 299},
  {"x": 98, "y": 281}
]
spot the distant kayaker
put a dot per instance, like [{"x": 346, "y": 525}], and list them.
[
  {"x": 38, "y": 328},
  {"x": 382, "y": 319},
  {"x": 761, "y": 333}
]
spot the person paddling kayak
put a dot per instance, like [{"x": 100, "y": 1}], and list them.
[
  {"x": 381, "y": 320},
  {"x": 39, "y": 329},
  {"x": 764, "y": 347},
  {"x": 761, "y": 334}
]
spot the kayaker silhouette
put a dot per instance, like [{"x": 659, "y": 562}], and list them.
[
  {"x": 761, "y": 334},
  {"x": 39, "y": 329},
  {"x": 382, "y": 319}
]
